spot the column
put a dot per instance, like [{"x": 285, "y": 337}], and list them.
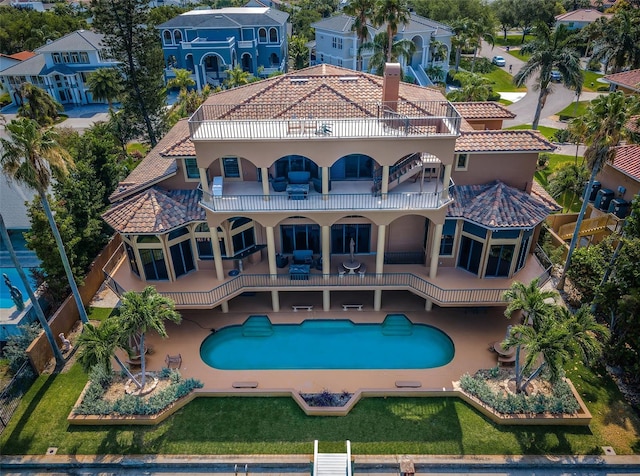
[
  {"x": 377, "y": 294},
  {"x": 265, "y": 182},
  {"x": 325, "y": 183},
  {"x": 271, "y": 252},
  {"x": 445, "y": 182},
  {"x": 275, "y": 301},
  {"x": 435, "y": 251},
  {"x": 217, "y": 254},
  {"x": 385, "y": 181},
  {"x": 204, "y": 181},
  {"x": 326, "y": 300},
  {"x": 326, "y": 253}
]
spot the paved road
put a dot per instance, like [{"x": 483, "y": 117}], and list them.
[{"x": 525, "y": 109}]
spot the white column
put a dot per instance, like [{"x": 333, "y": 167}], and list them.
[
  {"x": 271, "y": 252},
  {"x": 445, "y": 181},
  {"x": 217, "y": 254},
  {"x": 275, "y": 301},
  {"x": 204, "y": 181},
  {"x": 325, "y": 182},
  {"x": 326, "y": 256},
  {"x": 435, "y": 251},
  {"x": 385, "y": 181},
  {"x": 326, "y": 300},
  {"x": 380, "y": 250},
  {"x": 265, "y": 182}
]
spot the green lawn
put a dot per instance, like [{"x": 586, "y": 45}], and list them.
[
  {"x": 591, "y": 78},
  {"x": 277, "y": 426},
  {"x": 548, "y": 132},
  {"x": 572, "y": 111},
  {"x": 100, "y": 313},
  {"x": 133, "y": 147},
  {"x": 502, "y": 81},
  {"x": 512, "y": 40},
  {"x": 571, "y": 203}
]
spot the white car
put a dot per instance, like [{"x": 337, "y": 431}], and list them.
[{"x": 499, "y": 61}]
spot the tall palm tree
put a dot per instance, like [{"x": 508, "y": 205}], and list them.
[
  {"x": 36, "y": 104},
  {"x": 602, "y": 126},
  {"x": 392, "y": 13},
  {"x": 182, "y": 80},
  {"x": 31, "y": 156},
  {"x": 98, "y": 345},
  {"x": 400, "y": 49},
  {"x": 105, "y": 85},
  {"x": 462, "y": 37},
  {"x": 34, "y": 301},
  {"x": 550, "y": 51},
  {"x": 568, "y": 183},
  {"x": 474, "y": 87},
  {"x": 534, "y": 304},
  {"x": 298, "y": 51},
  {"x": 618, "y": 40},
  {"x": 480, "y": 31},
  {"x": 362, "y": 11},
  {"x": 237, "y": 77},
  {"x": 145, "y": 311}
]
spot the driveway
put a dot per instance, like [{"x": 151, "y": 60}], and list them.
[{"x": 525, "y": 108}]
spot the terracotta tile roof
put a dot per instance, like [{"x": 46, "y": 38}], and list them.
[
  {"x": 155, "y": 211},
  {"x": 502, "y": 141},
  {"x": 627, "y": 160},
  {"x": 483, "y": 110},
  {"x": 626, "y": 79},
  {"x": 543, "y": 196},
  {"x": 182, "y": 148},
  {"x": 496, "y": 205},
  {"x": 581, "y": 15},
  {"x": 633, "y": 124},
  {"x": 22, "y": 55},
  {"x": 154, "y": 167}
]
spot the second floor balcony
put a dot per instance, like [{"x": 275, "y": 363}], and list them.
[{"x": 344, "y": 196}]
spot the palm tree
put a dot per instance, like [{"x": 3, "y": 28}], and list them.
[
  {"x": 392, "y": 13},
  {"x": 400, "y": 49},
  {"x": 550, "y": 51},
  {"x": 480, "y": 31},
  {"x": 182, "y": 80},
  {"x": 618, "y": 40},
  {"x": 36, "y": 104},
  {"x": 474, "y": 88},
  {"x": 34, "y": 301},
  {"x": 568, "y": 182},
  {"x": 362, "y": 11},
  {"x": 534, "y": 304},
  {"x": 602, "y": 126},
  {"x": 237, "y": 77},
  {"x": 98, "y": 345},
  {"x": 462, "y": 37},
  {"x": 298, "y": 51},
  {"x": 143, "y": 311},
  {"x": 105, "y": 85},
  {"x": 31, "y": 156}
]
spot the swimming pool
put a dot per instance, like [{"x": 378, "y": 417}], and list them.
[
  {"x": 327, "y": 344},
  {"x": 5, "y": 297}
]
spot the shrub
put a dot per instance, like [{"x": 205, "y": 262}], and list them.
[
  {"x": 562, "y": 136},
  {"x": 15, "y": 350},
  {"x": 594, "y": 65}
]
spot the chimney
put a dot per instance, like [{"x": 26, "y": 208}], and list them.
[{"x": 391, "y": 85}]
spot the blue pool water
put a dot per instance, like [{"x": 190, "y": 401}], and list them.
[
  {"x": 5, "y": 297},
  {"x": 327, "y": 344}
]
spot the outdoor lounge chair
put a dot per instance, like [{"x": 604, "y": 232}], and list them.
[{"x": 173, "y": 360}]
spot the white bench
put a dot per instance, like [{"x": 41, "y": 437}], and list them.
[
  {"x": 346, "y": 307},
  {"x": 408, "y": 384},
  {"x": 244, "y": 384},
  {"x": 299, "y": 307}
]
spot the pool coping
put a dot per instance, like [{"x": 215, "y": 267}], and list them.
[{"x": 581, "y": 418}]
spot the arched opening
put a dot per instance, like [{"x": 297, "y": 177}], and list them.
[
  {"x": 177, "y": 36},
  {"x": 167, "y": 38},
  {"x": 353, "y": 167},
  {"x": 262, "y": 35},
  {"x": 416, "y": 59},
  {"x": 273, "y": 35},
  {"x": 274, "y": 60},
  {"x": 189, "y": 63},
  {"x": 246, "y": 63}
]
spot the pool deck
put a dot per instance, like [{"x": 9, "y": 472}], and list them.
[{"x": 471, "y": 329}]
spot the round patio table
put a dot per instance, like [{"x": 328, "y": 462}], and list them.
[
  {"x": 497, "y": 346},
  {"x": 351, "y": 266}
]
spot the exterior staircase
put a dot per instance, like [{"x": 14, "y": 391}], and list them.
[
  {"x": 589, "y": 226},
  {"x": 331, "y": 464},
  {"x": 398, "y": 173}
]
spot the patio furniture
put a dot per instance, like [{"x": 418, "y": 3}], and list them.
[
  {"x": 341, "y": 271},
  {"x": 173, "y": 360},
  {"x": 297, "y": 191},
  {"x": 298, "y": 272},
  {"x": 506, "y": 360},
  {"x": 361, "y": 270},
  {"x": 279, "y": 184},
  {"x": 357, "y": 307},
  {"x": 351, "y": 266},
  {"x": 248, "y": 384},
  {"x": 302, "y": 256},
  {"x": 282, "y": 261},
  {"x": 299, "y": 178},
  {"x": 298, "y": 307},
  {"x": 317, "y": 184}
]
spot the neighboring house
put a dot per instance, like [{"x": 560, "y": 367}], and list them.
[
  {"x": 337, "y": 43},
  {"x": 61, "y": 68},
  {"x": 622, "y": 178},
  {"x": 578, "y": 19},
  {"x": 327, "y": 181},
  {"x": 209, "y": 42},
  {"x": 627, "y": 81},
  {"x": 12, "y": 60}
]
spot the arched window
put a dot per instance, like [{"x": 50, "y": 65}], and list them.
[
  {"x": 177, "y": 35},
  {"x": 273, "y": 35},
  {"x": 274, "y": 60},
  {"x": 262, "y": 35},
  {"x": 168, "y": 39},
  {"x": 189, "y": 63},
  {"x": 172, "y": 61}
]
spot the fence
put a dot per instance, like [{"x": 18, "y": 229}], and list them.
[{"x": 13, "y": 392}]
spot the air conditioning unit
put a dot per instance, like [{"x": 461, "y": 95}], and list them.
[
  {"x": 619, "y": 207},
  {"x": 603, "y": 198}
]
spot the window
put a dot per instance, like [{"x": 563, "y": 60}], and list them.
[
  {"x": 133, "y": 264},
  {"x": 462, "y": 162},
  {"x": 203, "y": 242},
  {"x": 470, "y": 254},
  {"x": 499, "y": 260},
  {"x": 300, "y": 237},
  {"x": 75, "y": 57},
  {"x": 262, "y": 35},
  {"x": 341, "y": 236},
  {"x": 56, "y": 58},
  {"x": 177, "y": 35},
  {"x": 153, "y": 264},
  {"x": 336, "y": 43},
  {"x": 296, "y": 163},
  {"x": 182, "y": 257},
  {"x": 172, "y": 61},
  {"x": 231, "y": 167},
  {"x": 84, "y": 57},
  {"x": 273, "y": 35},
  {"x": 191, "y": 169},
  {"x": 524, "y": 249},
  {"x": 166, "y": 36},
  {"x": 448, "y": 237}
]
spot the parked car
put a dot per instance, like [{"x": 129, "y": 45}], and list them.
[
  {"x": 499, "y": 61},
  {"x": 556, "y": 77}
]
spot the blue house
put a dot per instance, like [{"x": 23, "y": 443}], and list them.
[
  {"x": 337, "y": 44},
  {"x": 209, "y": 42}
]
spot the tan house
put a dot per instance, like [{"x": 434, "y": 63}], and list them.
[
  {"x": 320, "y": 185},
  {"x": 626, "y": 81}
]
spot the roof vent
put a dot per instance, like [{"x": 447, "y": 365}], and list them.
[
  {"x": 299, "y": 80},
  {"x": 348, "y": 78}
]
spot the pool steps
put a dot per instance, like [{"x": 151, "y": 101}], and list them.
[
  {"x": 396, "y": 325},
  {"x": 257, "y": 326}
]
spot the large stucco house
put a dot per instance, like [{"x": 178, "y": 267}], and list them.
[
  {"x": 208, "y": 42},
  {"x": 61, "y": 68},
  {"x": 337, "y": 44},
  {"x": 325, "y": 182}
]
